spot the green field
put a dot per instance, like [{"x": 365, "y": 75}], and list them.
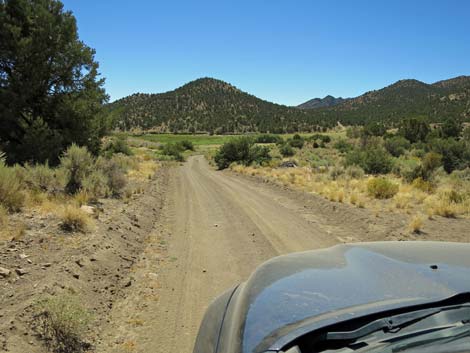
[
  {"x": 205, "y": 140},
  {"x": 197, "y": 140}
]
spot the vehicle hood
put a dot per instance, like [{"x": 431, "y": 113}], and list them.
[{"x": 290, "y": 295}]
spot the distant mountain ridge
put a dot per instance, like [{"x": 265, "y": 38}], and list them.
[
  {"x": 326, "y": 102},
  {"x": 211, "y": 105}
]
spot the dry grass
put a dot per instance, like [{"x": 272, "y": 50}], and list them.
[
  {"x": 416, "y": 224},
  {"x": 73, "y": 219},
  {"x": 3, "y": 217},
  {"x": 443, "y": 208},
  {"x": 82, "y": 198},
  {"x": 144, "y": 170}
]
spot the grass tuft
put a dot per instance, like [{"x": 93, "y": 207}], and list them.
[
  {"x": 416, "y": 224},
  {"x": 62, "y": 322},
  {"x": 73, "y": 219}
]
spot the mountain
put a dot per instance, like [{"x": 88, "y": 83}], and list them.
[
  {"x": 326, "y": 102},
  {"x": 211, "y": 105},
  {"x": 207, "y": 105},
  {"x": 405, "y": 98}
]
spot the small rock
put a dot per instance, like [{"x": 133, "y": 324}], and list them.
[
  {"x": 79, "y": 263},
  {"x": 29, "y": 261},
  {"x": 47, "y": 264},
  {"x": 4, "y": 272},
  {"x": 128, "y": 284},
  {"x": 216, "y": 225},
  {"x": 23, "y": 256},
  {"x": 204, "y": 270},
  {"x": 76, "y": 275},
  {"x": 21, "y": 271}
]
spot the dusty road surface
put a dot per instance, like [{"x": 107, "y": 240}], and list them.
[{"x": 216, "y": 229}]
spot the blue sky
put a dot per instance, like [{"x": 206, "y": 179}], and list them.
[{"x": 285, "y": 51}]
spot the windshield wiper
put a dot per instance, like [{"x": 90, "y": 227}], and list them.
[{"x": 388, "y": 324}]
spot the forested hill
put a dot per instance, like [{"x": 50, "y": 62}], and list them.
[
  {"x": 212, "y": 105},
  {"x": 206, "y": 104},
  {"x": 326, "y": 102},
  {"x": 405, "y": 98}
]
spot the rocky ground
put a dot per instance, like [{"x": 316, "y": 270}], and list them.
[{"x": 97, "y": 266}]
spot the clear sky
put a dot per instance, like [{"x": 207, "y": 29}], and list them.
[{"x": 285, "y": 51}]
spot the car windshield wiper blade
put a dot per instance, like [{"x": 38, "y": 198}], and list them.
[
  {"x": 420, "y": 338},
  {"x": 388, "y": 323}
]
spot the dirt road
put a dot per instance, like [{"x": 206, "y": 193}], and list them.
[{"x": 217, "y": 228}]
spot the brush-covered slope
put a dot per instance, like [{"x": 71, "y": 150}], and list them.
[
  {"x": 438, "y": 101},
  {"x": 210, "y": 105},
  {"x": 326, "y": 102},
  {"x": 206, "y": 104}
]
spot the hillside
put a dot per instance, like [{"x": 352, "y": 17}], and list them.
[
  {"x": 205, "y": 105},
  {"x": 326, "y": 102},
  {"x": 210, "y": 105},
  {"x": 437, "y": 101}
]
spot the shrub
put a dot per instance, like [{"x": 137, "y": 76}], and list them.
[
  {"x": 408, "y": 169},
  {"x": 62, "y": 322},
  {"x": 414, "y": 129},
  {"x": 296, "y": 142},
  {"x": 431, "y": 161},
  {"x": 423, "y": 185},
  {"x": 319, "y": 137},
  {"x": 77, "y": 163},
  {"x": 286, "y": 150},
  {"x": 371, "y": 160},
  {"x": 114, "y": 171},
  {"x": 237, "y": 150},
  {"x": 343, "y": 146},
  {"x": 41, "y": 177},
  {"x": 173, "y": 150},
  {"x": 451, "y": 128},
  {"x": 381, "y": 188},
  {"x": 269, "y": 138},
  {"x": 354, "y": 172},
  {"x": 73, "y": 219},
  {"x": 336, "y": 172},
  {"x": 186, "y": 145},
  {"x": 241, "y": 150},
  {"x": 397, "y": 145},
  {"x": 11, "y": 195},
  {"x": 455, "y": 154},
  {"x": 374, "y": 129},
  {"x": 259, "y": 155},
  {"x": 116, "y": 145},
  {"x": 95, "y": 185}
]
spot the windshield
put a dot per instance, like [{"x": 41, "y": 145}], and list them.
[{"x": 435, "y": 330}]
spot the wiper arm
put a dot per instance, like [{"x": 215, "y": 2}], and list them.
[{"x": 388, "y": 323}]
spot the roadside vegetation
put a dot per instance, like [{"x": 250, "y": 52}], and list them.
[
  {"x": 70, "y": 190},
  {"x": 419, "y": 169},
  {"x": 63, "y": 322}
]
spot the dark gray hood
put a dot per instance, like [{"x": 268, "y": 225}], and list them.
[{"x": 291, "y": 295}]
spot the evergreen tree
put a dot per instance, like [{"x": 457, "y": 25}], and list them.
[{"x": 50, "y": 92}]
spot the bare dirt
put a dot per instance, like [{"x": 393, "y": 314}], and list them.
[{"x": 154, "y": 265}]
